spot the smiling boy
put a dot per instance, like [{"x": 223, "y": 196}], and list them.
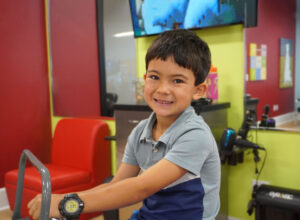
[{"x": 174, "y": 148}]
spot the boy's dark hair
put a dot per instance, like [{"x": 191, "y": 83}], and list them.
[{"x": 187, "y": 49}]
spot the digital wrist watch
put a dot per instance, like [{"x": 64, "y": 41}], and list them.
[{"x": 71, "y": 206}]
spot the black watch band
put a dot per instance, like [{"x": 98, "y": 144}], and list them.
[{"x": 71, "y": 206}]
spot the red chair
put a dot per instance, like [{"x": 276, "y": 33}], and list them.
[{"x": 80, "y": 159}]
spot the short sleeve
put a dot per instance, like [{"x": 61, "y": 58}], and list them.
[
  {"x": 191, "y": 149},
  {"x": 129, "y": 155}
]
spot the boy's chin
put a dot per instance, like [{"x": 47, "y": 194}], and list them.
[{"x": 165, "y": 113}]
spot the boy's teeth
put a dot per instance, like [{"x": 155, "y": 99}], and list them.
[{"x": 164, "y": 102}]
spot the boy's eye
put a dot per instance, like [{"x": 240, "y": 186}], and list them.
[
  {"x": 178, "y": 81},
  {"x": 154, "y": 77}
]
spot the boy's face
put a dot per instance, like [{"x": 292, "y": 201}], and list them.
[{"x": 169, "y": 88}]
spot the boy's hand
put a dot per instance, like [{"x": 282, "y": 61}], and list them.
[{"x": 35, "y": 204}]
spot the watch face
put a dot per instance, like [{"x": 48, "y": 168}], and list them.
[{"x": 72, "y": 206}]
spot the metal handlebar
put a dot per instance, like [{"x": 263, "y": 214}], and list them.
[{"x": 46, "y": 185}]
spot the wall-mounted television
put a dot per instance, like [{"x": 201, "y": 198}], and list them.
[{"x": 151, "y": 17}]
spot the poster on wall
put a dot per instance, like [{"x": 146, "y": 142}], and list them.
[
  {"x": 286, "y": 63},
  {"x": 258, "y": 62}
]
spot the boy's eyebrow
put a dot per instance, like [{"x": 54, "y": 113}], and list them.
[
  {"x": 180, "y": 75},
  {"x": 153, "y": 71},
  {"x": 173, "y": 75}
]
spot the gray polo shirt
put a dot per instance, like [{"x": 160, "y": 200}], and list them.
[{"x": 188, "y": 143}]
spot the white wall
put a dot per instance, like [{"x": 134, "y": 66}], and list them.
[{"x": 3, "y": 199}]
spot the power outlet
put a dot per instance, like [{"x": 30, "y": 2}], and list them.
[
  {"x": 259, "y": 182},
  {"x": 275, "y": 108}
]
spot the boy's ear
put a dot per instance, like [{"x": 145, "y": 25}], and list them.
[
  {"x": 145, "y": 75},
  {"x": 200, "y": 90}
]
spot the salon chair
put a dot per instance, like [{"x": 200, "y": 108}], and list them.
[{"x": 80, "y": 159}]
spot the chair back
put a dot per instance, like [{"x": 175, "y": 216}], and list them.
[{"x": 80, "y": 143}]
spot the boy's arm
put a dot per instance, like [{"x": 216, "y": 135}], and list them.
[
  {"x": 126, "y": 191},
  {"x": 124, "y": 171},
  {"x": 34, "y": 206},
  {"x": 134, "y": 189}
]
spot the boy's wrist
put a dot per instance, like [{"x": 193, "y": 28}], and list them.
[{"x": 71, "y": 206}]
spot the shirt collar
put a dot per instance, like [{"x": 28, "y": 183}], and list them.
[
  {"x": 147, "y": 132},
  {"x": 177, "y": 124}
]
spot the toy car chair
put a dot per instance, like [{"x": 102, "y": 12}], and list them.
[{"x": 80, "y": 159}]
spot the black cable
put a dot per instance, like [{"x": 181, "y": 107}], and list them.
[
  {"x": 262, "y": 166},
  {"x": 265, "y": 157},
  {"x": 256, "y": 133}
]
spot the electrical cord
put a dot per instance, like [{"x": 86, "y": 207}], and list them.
[
  {"x": 258, "y": 172},
  {"x": 252, "y": 202}
]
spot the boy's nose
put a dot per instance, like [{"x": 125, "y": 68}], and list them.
[{"x": 163, "y": 87}]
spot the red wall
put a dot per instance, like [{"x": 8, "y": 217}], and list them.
[
  {"x": 76, "y": 89},
  {"x": 24, "y": 95},
  {"x": 24, "y": 91},
  {"x": 276, "y": 19}
]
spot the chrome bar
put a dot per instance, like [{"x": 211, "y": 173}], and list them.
[{"x": 46, "y": 185}]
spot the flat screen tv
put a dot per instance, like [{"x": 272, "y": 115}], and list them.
[{"x": 151, "y": 17}]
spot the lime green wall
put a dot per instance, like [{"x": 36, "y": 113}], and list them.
[
  {"x": 113, "y": 146},
  {"x": 281, "y": 168},
  {"x": 227, "y": 48}
]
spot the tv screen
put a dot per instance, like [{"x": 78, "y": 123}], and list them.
[{"x": 150, "y": 17}]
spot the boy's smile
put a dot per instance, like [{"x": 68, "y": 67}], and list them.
[{"x": 169, "y": 88}]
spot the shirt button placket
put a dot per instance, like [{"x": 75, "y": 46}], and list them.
[{"x": 155, "y": 149}]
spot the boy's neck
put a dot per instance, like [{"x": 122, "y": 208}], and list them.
[{"x": 160, "y": 126}]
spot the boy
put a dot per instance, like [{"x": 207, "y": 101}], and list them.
[{"x": 173, "y": 147}]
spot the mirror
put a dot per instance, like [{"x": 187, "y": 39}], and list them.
[
  {"x": 120, "y": 51},
  {"x": 272, "y": 72}
]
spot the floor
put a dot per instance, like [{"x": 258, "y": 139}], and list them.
[
  {"x": 124, "y": 213},
  {"x": 7, "y": 215}
]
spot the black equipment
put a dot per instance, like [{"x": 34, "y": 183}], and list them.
[
  {"x": 233, "y": 147},
  {"x": 229, "y": 139},
  {"x": 249, "y": 118},
  {"x": 265, "y": 120},
  {"x": 274, "y": 203},
  {"x": 200, "y": 103},
  {"x": 111, "y": 99},
  {"x": 233, "y": 144}
]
